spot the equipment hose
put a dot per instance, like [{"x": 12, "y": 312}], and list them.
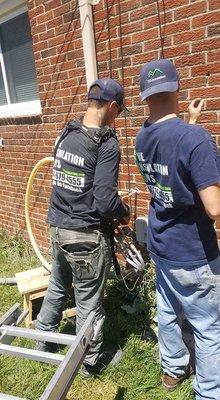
[{"x": 40, "y": 163}]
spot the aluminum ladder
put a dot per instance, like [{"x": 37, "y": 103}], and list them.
[{"x": 68, "y": 365}]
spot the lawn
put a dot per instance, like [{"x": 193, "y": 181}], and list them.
[{"x": 136, "y": 377}]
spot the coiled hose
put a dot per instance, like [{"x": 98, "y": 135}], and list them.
[{"x": 33, "y": 174}]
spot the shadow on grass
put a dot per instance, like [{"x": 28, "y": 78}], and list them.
[
  {"x": 119, "y": 325},
  {"x": 121, "y": 393}
]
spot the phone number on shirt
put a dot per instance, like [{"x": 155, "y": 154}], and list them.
[{"x": 70, "y": 180}]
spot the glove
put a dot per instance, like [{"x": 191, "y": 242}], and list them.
[{"x": 135, "y": 259}]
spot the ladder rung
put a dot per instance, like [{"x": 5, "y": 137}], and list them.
[
  {"x": 44, "y": 336},
  {"x": 4, "y": 396},
  {"x": 11, "y": 315},
  {"x": 31, "y": 354}
]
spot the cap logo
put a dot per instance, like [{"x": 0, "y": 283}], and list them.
[{"x": 155, "y": 72}]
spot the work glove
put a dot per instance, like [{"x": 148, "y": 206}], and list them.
[{"x": 135, "y": 259}]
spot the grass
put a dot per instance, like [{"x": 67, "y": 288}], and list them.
[{"x": 136, "y": 377}]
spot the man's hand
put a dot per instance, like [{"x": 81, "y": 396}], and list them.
[
  {"x": 125, "y": 220},
  {"x": 195, "y": 109},
  {"x": 126, "y": 201}
]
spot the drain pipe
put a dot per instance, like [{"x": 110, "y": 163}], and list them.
[
  {"x": 88, "y": 38},
  {"x": 8, "y": 281}
]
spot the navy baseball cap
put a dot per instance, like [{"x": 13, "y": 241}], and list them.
[
  {"x": 110, "y": 90},
  {"x": 158, "y": 76}
]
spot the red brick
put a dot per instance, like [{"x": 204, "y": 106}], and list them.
[
  {"x": 35, "y": 29},
  {"x": 213, "y": 104},
  {"x": 191, "y": 36},
  {"x": 61, "y": 10},
  {"x": 190, "y": 10},
  {"x": 175, "y": 3},
  {"x": 46, "y": 35},
  {"x": 127, "y": 6},
  {"x": 143, "y": 12},
  {"x": 213, "y": 4},
  {"x": 206, "y": 19},
  {"x": 205, "y": 69},
  {"x": 190, "y": 60},
  {"x": 179, "y": 26},
  {"x": 54, "y": 22},
  {"x": 214, "y": 80},
  {"x": 175, "y": 51},
  {"x": 193, "y": 82},
  {"x": 48, "y": 53},
  {"x": 206, "y": 45},
  {"x": 51, "y": 4},
  {"x": 214, "y": 30},
  {"x": 145, "y": 35},
  {"x": 208, "y": 117},
  {"x": 205, "y": 92},
  {"x": 214, "y": 56}
]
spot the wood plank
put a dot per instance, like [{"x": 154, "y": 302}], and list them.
[
  {"x": 27, "y": 306},
  {"x": 32, "y": 280},
  {"x": 69, "y": 312},
  {"x": 37, "y": 295}
]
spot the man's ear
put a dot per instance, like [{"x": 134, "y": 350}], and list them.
[{"x": 112, "y": 104}]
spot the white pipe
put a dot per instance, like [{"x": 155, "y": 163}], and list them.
[
  {"x": 86, "y": 19},
  {"x": 8, "y": 281}
]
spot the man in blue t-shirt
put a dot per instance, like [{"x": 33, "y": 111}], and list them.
[{"x": 181, "y": 167}]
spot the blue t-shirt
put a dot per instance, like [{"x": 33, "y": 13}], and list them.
[{"x": 176, "y": 160}]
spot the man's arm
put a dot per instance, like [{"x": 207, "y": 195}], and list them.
[
  {"x": 210, "y": 197},
  {"x": 105, "y": 187}
]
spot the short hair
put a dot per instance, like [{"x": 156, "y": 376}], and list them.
[
  {"x": 96, "y": 103},
  {"x": 161, "y": 95}
]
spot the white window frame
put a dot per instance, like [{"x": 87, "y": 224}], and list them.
[{"x": 22, "y": 109}]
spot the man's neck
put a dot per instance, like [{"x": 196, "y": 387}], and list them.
[
  {"x": 156, "y": 119},
  {"x": 163, "y": 106},
  {"x": 93, "y": 118}
]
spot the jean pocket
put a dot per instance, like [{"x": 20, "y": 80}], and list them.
[
  {"x": 185, "y": 276},
  {"x": 85, "y": 264},
  {"x": 210, "y": 282},
  {"x": 205, "y": 276}
]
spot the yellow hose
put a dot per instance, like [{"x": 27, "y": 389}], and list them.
[{"x": 40, "y": 163}]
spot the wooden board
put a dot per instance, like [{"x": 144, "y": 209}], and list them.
[{"x": 32, "y": 280}]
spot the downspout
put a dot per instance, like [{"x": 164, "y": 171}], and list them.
[{"x": 88, "y": 38}]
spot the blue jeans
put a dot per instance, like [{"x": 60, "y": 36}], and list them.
[
  {"x": 195, "y": 290},
  {"x": 82, "y": 257}
]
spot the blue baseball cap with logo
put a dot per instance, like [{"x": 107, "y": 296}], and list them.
[
  {"x": 158, "y": 76},
  {"x": 109, "y": 90}
]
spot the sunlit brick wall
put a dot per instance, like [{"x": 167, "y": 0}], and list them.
[{"x": 127, "y": 35}]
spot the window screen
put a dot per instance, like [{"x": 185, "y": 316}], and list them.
[
  {"x": 3, "y": 99},
  {"x": 16, "y": 42}
]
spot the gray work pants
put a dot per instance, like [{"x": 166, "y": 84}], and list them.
[{"x": 87, "y": 270}]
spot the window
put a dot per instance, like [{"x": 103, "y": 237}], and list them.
[{"x": 18, "y": 84}]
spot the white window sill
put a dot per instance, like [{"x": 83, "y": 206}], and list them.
[{"x": 25, "y": 109}]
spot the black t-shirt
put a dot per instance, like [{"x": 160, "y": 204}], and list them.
[
  {"x": 177, "y": 160},
  {"x": 85, "y": 179}
]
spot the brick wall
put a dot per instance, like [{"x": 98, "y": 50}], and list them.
[{"x": 127, "y": 35}]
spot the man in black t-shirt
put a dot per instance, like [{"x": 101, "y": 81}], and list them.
[
  {"x": 181, "y": 166},
  {"x": 84, "y": 201}
]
